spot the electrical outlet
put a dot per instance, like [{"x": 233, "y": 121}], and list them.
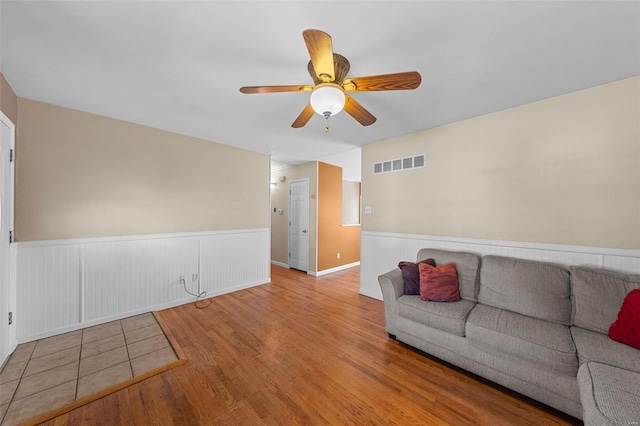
[
  {"x": 338, "y": 255},
  {"x": 181, "y": 279},
  {"x": 194, "y": 278}
]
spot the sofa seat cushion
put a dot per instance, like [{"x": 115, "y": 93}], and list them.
[
  {"x": 502, "y": 333},
  {"x": 609, "y": 395},
  {"x": 597, "y": 347},
  {"x": 444, "y": 316}
]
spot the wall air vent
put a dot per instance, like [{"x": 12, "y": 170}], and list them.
[{"x": 399, "y": 164}]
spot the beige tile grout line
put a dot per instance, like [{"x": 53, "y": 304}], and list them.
[
  {"x": 75, "y": 395},
  {"x": 75, "y": 398},
  {"x": 172, "y": 344},
  {"x": 80, "y": 356},
  {"x": 177, "y": 349},
  {"x": 126, "y": 345},
  {"x": 11, "y": 401},
  {"x": 19, "y": 381}
]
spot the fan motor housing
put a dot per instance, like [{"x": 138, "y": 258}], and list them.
[{"x": 341, "y": 65}]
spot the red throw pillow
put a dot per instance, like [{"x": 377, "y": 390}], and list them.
[
  {"x": 626, "y": 329},
  {"x": 439, "y": 283}
]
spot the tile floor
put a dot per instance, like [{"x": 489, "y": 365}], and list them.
[{"x": 48, "y": 374}]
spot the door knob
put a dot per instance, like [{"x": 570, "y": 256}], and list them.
[{"x": 304, "y": 231}]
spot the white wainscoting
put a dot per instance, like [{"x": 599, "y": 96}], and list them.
[
  {"x": 48, "y": 288},
  {"x": 381, "y": 252},
  {"x": 232, "y": 262},
  {"x": 65, "y": 285}
]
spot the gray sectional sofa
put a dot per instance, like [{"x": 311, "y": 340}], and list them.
[{"x": 534, "y": 327}]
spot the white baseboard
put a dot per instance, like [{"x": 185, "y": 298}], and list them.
[
  {"x": 78, "y": 326},
  {"x": 160, "y": 307},
  {"x": 332, "y": 270},
  {"x": 364, "y": 292},
  {"x": 284, "y": 265}
]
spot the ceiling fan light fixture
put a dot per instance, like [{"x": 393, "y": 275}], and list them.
[
  {"x": 327, "y": 99},
  {"x": 328, "y": 71}
]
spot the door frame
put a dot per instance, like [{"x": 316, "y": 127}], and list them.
[
  {"x": 12, "y": 341},
  {"x": 307, "y": 180}
]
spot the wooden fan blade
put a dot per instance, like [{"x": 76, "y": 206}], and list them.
[
  {"x": 358, "y": 112},
  {"x": 275, "y": 89},
  {"x": 304, "y": 117},
  {"x": 399, "y": 81},
  {"x": 321, "y": 52}
]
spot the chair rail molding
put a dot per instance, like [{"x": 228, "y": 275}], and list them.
[{"x": 381, "y": 252}]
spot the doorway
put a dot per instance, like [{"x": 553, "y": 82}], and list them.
[
  {"x": 7, "y": 285},
  {"x": 299, "y": 224}
]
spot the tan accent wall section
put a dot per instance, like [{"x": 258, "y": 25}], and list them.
[
  {"x": 333, "y": 238},
  {"x": 564, "y": 170},
  {"x": 83, "y": 175},
  {"x": 280, "y": 200},
  {"x": 8, "y": 100}
]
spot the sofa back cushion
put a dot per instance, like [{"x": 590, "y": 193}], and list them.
[
  {"x": 536, "y": 289},
  {"x": 597, "y": 296},
  {"x": 467, "y": 265}
]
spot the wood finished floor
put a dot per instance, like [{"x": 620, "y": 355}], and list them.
[{"x": 302, "y": 350}]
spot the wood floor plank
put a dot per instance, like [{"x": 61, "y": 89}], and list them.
[{"x": 303, "y": 350}]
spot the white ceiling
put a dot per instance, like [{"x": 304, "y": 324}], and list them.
[
  {"x": 350, "y": 161},
  {"x": 178, "y": 65}
]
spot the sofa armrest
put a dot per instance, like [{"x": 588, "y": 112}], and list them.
[{"x": 392, "y": 288}]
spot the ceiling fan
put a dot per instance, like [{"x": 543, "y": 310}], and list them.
[{"x": 329, "y": 95}]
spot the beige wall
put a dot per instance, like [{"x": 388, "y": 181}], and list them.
[
  {"x": 279, "y": 200},
  {"x": 564, "y": 170},
  {"x": 8, "y": 100},
  {"x": 83, "y": 175}
]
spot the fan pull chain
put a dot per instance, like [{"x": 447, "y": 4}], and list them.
[{"x": 326, "y": 117}]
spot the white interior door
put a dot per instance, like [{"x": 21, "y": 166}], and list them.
[
  {"x": 6, "y": 213},
  {"x": 299, "y": 224}
]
